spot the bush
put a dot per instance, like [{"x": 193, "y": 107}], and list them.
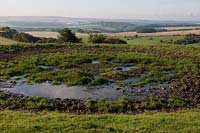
[
  {"x": 7, "y": 32},
  {"x": 115, "y": 41},
  {"x": 97, "y": 38},
  {"x": 23, "y": 37},
  {"x": 91, "y": 105},
  {"x": 189, "y": 39},
  {"x": 48, "y": 40},
  {"x": 188, "y": 88},
  {"x": 100, "y": 38},
  {"x": 66, "y": 35}
]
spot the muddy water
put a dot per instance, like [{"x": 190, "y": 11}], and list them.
[
  {"x": 64, "y": 91},
  {"x": 110, "y": 91},
  {"x": 95, "y": 62},
  {"x": 5, "y": 84}
]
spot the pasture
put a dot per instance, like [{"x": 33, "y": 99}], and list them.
[
  {"x": 21, "y": 121},
  {"x": 95, "y": 81}
]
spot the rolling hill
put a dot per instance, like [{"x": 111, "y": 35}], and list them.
[{"x": 52, "y": 23}]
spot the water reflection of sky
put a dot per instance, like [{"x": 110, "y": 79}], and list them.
[{"x": 109, "y": 91}]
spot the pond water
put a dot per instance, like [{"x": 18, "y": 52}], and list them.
[
  {"x": 128, "y": 68},
  {"x": 111, "y": 91},
  {"x": 105, "y": 92},
  {"x": 48, "y": 67},
  {"x": 95, "y": 62},
  {"x": 64, "y": 91},
  {"x": 6, "y": 84}
]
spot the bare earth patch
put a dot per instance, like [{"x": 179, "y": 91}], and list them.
[{"x": 44, "y": 34}]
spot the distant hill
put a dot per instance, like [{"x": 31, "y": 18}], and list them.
[
  {"x": 52, "y": 23},
  {"x": 107, "y": 27}
]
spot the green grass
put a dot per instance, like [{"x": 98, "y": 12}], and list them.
[
  {"x": 84, "y": 36},
  {"x": 152, "y": 40},
  {"x": 158, "y": 59},
  {"x": 20, "y": 121},
  {"x": 75, "y": 68}
]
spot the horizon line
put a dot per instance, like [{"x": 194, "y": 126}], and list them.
[{"x": 141, "y": 19}]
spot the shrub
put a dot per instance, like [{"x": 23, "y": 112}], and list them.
[
  {"x": 175, "y": 102},
  {"x": 23, "y": 37},
  {"x": 91, "y": 105},
  {"x": 100, "y": 38},
  {"x": 188, "y": 88},
  {"x": 189, "y": 39},
  {"x": 101, "y": 105},
  {"x": 47, "y": 40},
  {"x": 66, "y": 35},
  {"x": 97, "y": 38},
  {"x": 7, "y": 32},
  {"x": 115, "y": 41}
]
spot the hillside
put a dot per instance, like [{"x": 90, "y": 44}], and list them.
[
  {"x": 5, "y": 41},
  {"x": 52, "y": 23},
  {"x": 106, "y": 27}
]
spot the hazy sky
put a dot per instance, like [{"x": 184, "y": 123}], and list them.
[{"x": 130, "y": 9}]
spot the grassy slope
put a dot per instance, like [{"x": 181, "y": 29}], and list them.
[
  {"x": 5, "y": 41},
  {"x": 18, "y": 121},
  {"x": 155, "y": 40}
]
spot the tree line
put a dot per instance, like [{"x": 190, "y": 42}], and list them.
[{"x": 66, "y": 35}]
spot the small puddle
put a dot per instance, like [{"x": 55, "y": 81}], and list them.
[
  {"x": 48, "y": 67},
  {"x": 123, "y": 68},
  {"x": 133, "y": 80},
  {"x": 95, "y": 62},
  {"x": 114, "y": 63},
  {"x": 171, "y": 73},
  {"x": 126, "y": 69}
]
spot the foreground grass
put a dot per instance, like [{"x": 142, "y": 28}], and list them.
[{"x": 19, "y": 121}]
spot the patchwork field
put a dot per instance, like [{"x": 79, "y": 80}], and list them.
[
  {"x": 168, "y": 33},
  {"x": 122, "y": 34},
  {"x": 84, "y": 36},
  {"x": 182, "y": 28}
]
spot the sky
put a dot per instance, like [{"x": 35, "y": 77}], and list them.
[{"x": 123, "y": 9}]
